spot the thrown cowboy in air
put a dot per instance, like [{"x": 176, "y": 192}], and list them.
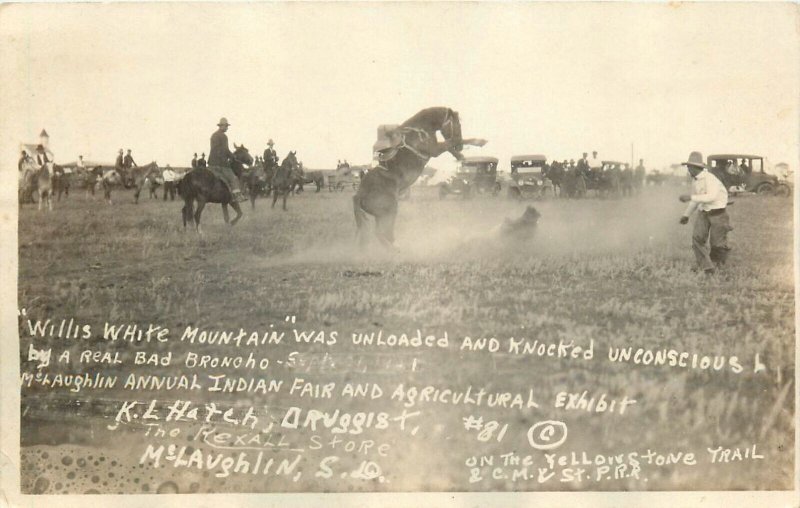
[{"x": 219, "y": 160}]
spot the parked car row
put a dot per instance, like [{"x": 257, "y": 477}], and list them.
[{"x": 529, "y": 176}]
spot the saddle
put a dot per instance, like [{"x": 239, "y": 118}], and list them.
[{"x": 391, "y": 138}]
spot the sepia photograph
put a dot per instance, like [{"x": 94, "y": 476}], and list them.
[{"x": 406, "y": 254}]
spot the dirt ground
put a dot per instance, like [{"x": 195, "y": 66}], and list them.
[{"x": 601, "y": 274}]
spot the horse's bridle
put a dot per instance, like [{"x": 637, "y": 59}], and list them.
[{"x": 448, "y": 120}]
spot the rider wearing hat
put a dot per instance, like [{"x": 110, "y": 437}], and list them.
[
  {"x": 270, "y": 156},
  {"x": 712, "y": 224},
  {"x": 128, "y": 161},
  {"x": 219, "y": 159},
  {"x": 119, "y": 165}
]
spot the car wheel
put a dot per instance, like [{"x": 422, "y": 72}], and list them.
[
  {"x": 764, "y": 189},
  {"x": 783, "y": 190}
]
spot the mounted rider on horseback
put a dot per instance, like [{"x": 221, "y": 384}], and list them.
[{"x": 219, "y": 160}]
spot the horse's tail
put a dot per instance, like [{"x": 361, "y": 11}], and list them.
[{"x": 183, "y": 186}]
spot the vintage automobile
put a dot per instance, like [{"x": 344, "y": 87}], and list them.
[
  {"x": 528, "y": 177},
  {"x": 475, "y": 175},
  {"x": 746, "y": 174}
]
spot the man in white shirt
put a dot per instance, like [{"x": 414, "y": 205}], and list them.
[
  {"x": 595, "y": 163},
  {"x": 170, "y": 177},
  {"x": 709, "y": 198}
]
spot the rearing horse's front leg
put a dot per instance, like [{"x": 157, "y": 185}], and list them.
[{"x": 437, "y": 149}]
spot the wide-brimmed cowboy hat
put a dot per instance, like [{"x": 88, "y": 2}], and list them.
[
  {"x": 381, "y": 144},
  {"x": 696, "y": 160},
  {"x": 222, "y": 121}
]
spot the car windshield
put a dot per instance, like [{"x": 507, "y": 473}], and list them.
[
  {"x": 527, "y": 167},
  {"x": 479, "y": 168}
]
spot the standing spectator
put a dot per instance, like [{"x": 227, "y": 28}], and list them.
[
  {"x": 201, "y": 163},
  {"x": 638, "y": 175},
  {"x": 194, "y": 161},
  {"x": 22, "y": 159},
  {"x": 595, "y": 163},
  {"x": 712, "y": 224},
  {"x": 583, "y": 165},
  {"x": 170, "y": 177}
]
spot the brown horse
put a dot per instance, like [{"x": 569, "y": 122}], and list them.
[
  {"x": 141, "y": 176},
  {"x": 86, "y": 180},
  {"x": 401, "y": 166},
  {"x": 283, "y": 180},
  {"x": 255, "y": 183},
  {"x": 202, "y": 186}
]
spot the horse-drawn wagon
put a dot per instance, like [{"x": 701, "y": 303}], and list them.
[
  {"x": 345, "y": 176},
  {"x": 529, "y": 177},
  {"x": 475, "y": 175}
]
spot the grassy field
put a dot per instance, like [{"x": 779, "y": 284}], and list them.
[{"x": 615, "y": 272}]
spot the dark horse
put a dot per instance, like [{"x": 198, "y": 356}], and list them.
[
  {"x": 255, "y": 184},
  {"x": 302, "y": 178},
  {"x": 203, "y": 186},
  {"x": 401, "y": 166},
  {"x": 141, "y": 175},
  {"x": 283, "y": 179}
]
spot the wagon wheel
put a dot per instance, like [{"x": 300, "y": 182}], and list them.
[
  {"x": 783, "y": 190},
  {"x": 764, "y": 189}
]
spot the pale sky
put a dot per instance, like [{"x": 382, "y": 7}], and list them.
[{"x": 558, "y": 79}]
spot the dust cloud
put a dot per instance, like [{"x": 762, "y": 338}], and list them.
[{"x": 433, "y": 230}]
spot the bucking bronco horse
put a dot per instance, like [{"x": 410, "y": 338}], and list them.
[
  {"x": 402, "y": 164},
  {"x": 202, "y": 186}
]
